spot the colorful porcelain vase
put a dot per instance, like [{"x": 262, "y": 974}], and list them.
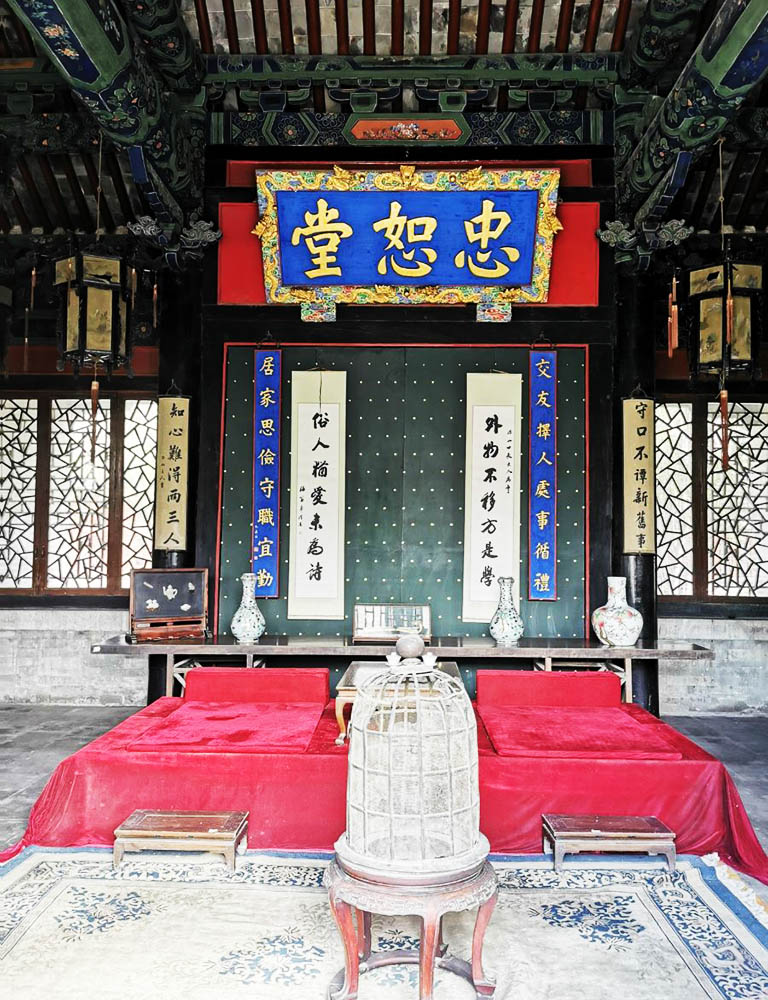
[
  {"x": 248, "y": 624},
  {"x": 506, "y": 625},
  {"x": 616, "y": 624}
]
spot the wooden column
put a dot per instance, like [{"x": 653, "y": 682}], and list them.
[
  {"x": 634, "y": 367},
  {"x": 179, "y": 319}
]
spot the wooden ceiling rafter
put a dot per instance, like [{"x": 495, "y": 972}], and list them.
[
  {"x": 754, "y": 187},
  {"x": 454, "y": 23},
  {"x": 620, "y": 28},
  {"x": 593, "y": 26},
  {"x": 41, "y": 217},
  {"x": 19, "y": 211},
  {"x": 369, "y": 27},
  {"x": 534, "y": 32},
  {"x": 62, "y": 212},
  {"x": 118, "y": 183},
  {"x": 286, "y": 26},
  {"x": 103, "y": 212},
  {"x": 397, "y": 45},
  {"x": 425, "y": 27},
  {"x": 259, "y": 19},
  {"x": 78, "y": 195},
  {"x": 729, "y": 190},
  {"x": 483, "y": 26},
  {"x": 511, "y": 14},
  {"x": 564, "y": 23},
  {"x": 342, "y": 27},
  {"x": 204, "y": 26},
  {"x": 230, "y": 24}
]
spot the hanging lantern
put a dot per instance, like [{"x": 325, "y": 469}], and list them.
[
  {"x": 725, "y": 313},
  {"x": 96, "y": 306}
]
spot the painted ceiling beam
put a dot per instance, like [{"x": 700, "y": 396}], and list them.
[
  {"x": 731, "y": 59},
  {"x": 167, "y": 42},
  {"x": 656, "y": 41},
  {"x": 545, "y": 68},
  {"x": 94, "y": 50}
]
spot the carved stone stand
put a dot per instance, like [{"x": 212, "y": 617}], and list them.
[{"x": 354, "y": 900}]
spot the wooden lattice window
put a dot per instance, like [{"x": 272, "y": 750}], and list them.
[
  {"x": 75, "y": 519},
  {"x": 712, "y": 523}
]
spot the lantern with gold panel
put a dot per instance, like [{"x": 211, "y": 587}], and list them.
[
  {"x": 97, "y": 296},
  {"x": 96, "y": 301},
  {"x": 725, "y": 304}
]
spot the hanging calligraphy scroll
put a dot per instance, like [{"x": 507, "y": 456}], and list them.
[
  {"x": 409, "y": 236},
  {"x": 491, "y": 491},
  {"x": 266, "y": 473},
  {"x": 171, "y": 474},
  {"x": 318, "y": 458},
  {"x": 639, "y": 476},
  {"x": 542, "y": 478}
]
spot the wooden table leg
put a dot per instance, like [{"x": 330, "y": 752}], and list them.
[
  {"x": 628, "y": 681},
  {"x": 169, "y": 675},
  {"x": 484, "y": 985},
  {"x": 430, "y": 933},
  {"x": 344, "y": 916},
  {"x": 341, "y": 704},
  {"x": 363, "y": 934}
]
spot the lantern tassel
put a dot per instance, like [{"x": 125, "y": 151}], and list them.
[
  {"x": 133, "y": 287},
  {"x": 729, "y": 314},
  {"x": 724, "y": 425},
  {"x": 94, "y": 412},
  {"x": 675, "y": 315},
  {"x": 670, "y": 347}
]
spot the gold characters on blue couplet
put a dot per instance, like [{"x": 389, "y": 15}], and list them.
[
  {"x": 542, "y": 458},
  {"x": 266, "y": 476}
]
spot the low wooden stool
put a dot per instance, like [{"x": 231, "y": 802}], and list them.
[
  {"x": 174, "y": 830},
  {"x": 623, "y": 834}
]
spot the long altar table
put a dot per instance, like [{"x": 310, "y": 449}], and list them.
[{"x": 447, "y": 647}]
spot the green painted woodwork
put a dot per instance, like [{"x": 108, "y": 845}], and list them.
[
  {"x": 540, "y": 69},
  {"x": 405, "y": 483},
  {"x": 656, "y": 40},
  {"x": 731, "y": 59},
  {"x": 167, "y": 41},
  {"x": 91, "y": 46}
]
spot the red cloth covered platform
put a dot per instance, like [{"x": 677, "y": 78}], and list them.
[{"x": 295, "y": 789}]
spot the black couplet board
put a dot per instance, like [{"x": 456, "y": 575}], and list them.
[{"x": 163, "y": 594}]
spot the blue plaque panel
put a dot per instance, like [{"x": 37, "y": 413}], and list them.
[{"x": 443, "y": 238}]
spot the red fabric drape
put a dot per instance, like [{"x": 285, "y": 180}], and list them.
[{"x": 296, "y": 799}]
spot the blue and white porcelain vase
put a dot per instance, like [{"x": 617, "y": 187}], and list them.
[
  {"x": 506, "y": 625},
  {"x": 248, "y": 624}
]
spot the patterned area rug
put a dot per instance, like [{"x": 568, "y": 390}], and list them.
[{"x": 184, "y": 928}]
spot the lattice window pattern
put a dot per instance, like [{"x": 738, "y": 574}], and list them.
[
  {"x": 139, "y": 454},
  {"x": 737, "y": 502},
  {"x": 79, "y": 496},
  {"x": 18, "y": 464},
  {"x": 674, "y": 499}
]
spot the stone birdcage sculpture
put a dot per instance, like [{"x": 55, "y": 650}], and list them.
[{"x": 413, "y": 804}]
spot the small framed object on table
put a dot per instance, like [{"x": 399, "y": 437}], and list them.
[
  {"x": 168, "y": 604},
  {"x": 389, "y": 622}
]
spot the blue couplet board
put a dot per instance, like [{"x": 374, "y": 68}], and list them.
[
  {"x": 266, "y": 472},
  {"x": 542, "y": 458},
  {"x": 364, "y": 238}
]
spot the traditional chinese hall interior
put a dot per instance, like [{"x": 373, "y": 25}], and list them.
[{"x": 325, "y": 324}]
